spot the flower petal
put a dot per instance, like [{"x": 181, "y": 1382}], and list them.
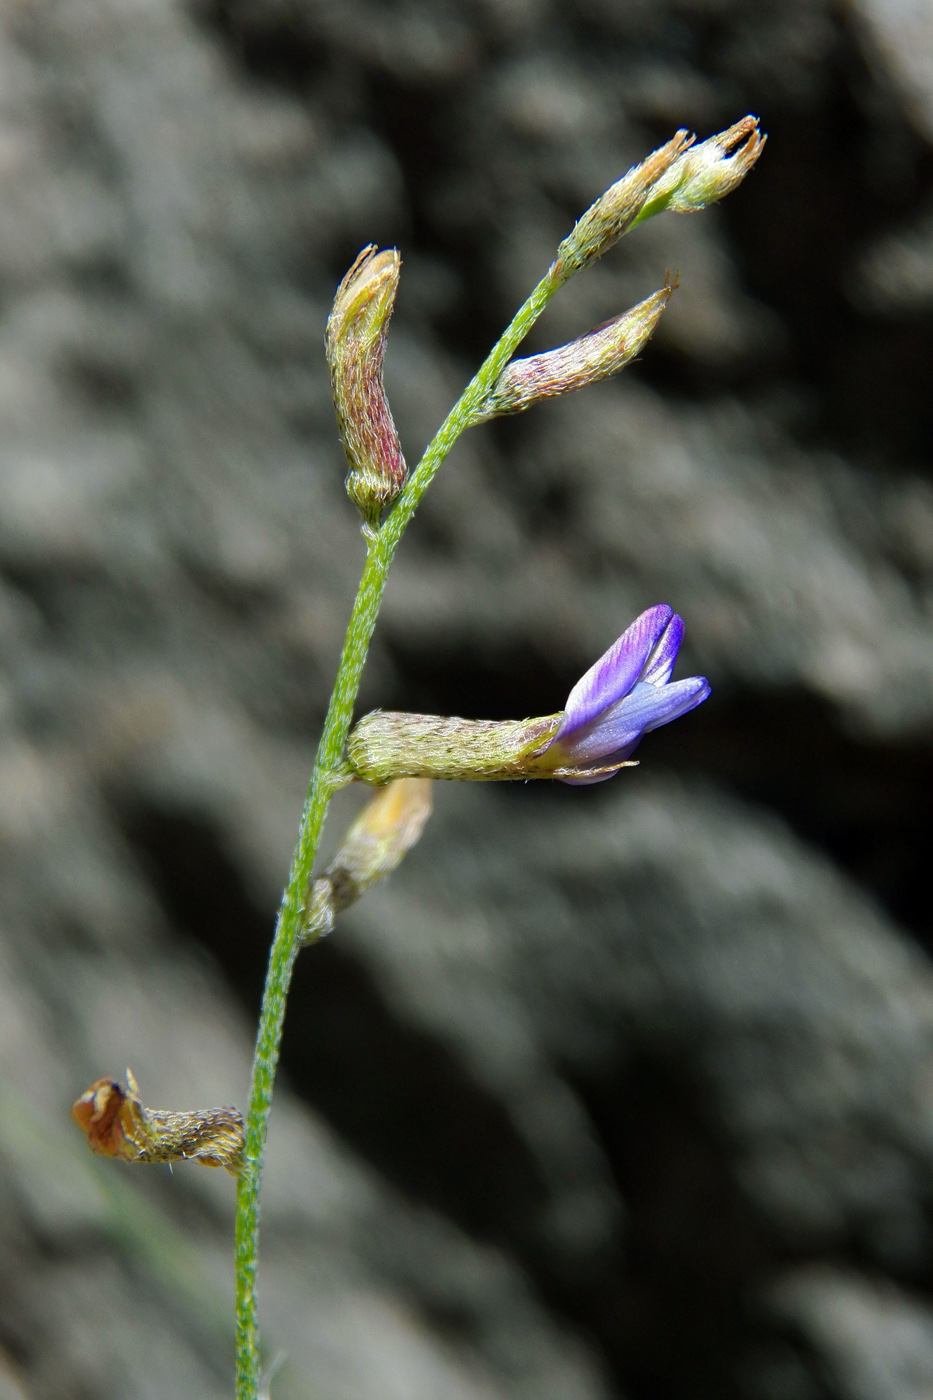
[
  {"x": 616, "y": 671},
  {"x": 672, "y": 701},
  {"x": 660, "y": 663},
  {"x": 616, "y": 732}
]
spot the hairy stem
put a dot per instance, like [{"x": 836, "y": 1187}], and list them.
[{"x": 327, "y": 775}]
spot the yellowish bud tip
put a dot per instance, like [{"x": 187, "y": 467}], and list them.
[
  {"x": 396, "y": 814},
  {"x": 355, "y": 344},
  {"x": 375, "y": 845}
]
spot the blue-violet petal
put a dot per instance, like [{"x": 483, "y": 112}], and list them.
[
  {"x": 613, "y": 675},
  {"x": 620, "y": 727},
  {"x": 660, "y": 663}
]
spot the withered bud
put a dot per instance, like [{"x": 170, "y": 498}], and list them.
[
  {"x": 355, "y": 343},
  {"x": 118, "y": 1125},
  {"x": 706, "y": 173},
  {"x": 375, "y": 845},
  {"x": 597, "y": 355},
  {"x": 614, "y": 212}
]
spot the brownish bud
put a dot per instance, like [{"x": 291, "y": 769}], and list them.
[
  {"x": 375, "y": 845},
  {"x": 597, "y": 355},
  {"x": 355, "y": 343},
  {"x": 707, "y": 172},
  {"x": 118, "y": 1125},
  {"x": 614, "y": 212},
  {"x": 680, "y": 176}
]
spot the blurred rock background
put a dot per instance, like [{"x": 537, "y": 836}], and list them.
[{"x": 624, "y": 1091}]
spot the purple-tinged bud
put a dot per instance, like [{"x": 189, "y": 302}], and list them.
[
  {"x": 597, "y": 355},
  {"x": 375, "y": 845},
  {"x": 707, "y": 172},
  {"x": 355, "y": 343},
  {"x": 614, "y": 212}
]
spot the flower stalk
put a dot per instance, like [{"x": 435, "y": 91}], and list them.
[
  {"x": 627, "y": 693},
  {"x": 330, "y": 772},
  {"x": 592, "y": 236}
]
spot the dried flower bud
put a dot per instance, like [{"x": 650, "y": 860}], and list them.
[
  {"x": 355, "y": 344},
  {"x": 597, "y": 355},
  {"x": 118, "y": 1125},
  {"x": 614, "y": 212},
  {"x": 707, "y": 172},
  {"x": 375, "y": 845}
]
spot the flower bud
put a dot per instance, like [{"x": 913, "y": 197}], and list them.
[
  {"x": 375, "y": 845},
  {"x": 614, "y": 212},
  {"x": 707, "y": 172},
  {"x": 117, "y": 1125},
  {"x": 679, "y": 176},
  {"x": 355, "y": 344},
  {"x": 597, "y": 355}
]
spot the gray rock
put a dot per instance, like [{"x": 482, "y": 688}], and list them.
[{"x": 623, "y": 1097}]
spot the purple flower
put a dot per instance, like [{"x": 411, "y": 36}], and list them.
[{"x": 626, "y": 693}]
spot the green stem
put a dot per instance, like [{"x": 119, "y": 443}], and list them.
[{"x": 327, "y": 775}]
